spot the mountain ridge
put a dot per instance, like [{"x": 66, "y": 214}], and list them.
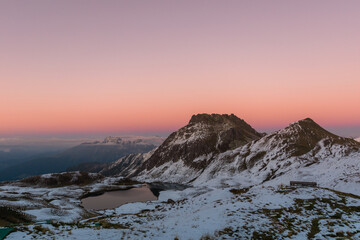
[{"x": 299, "y": 145}]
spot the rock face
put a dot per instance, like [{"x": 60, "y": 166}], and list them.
[{"x": 204, "y": 136}]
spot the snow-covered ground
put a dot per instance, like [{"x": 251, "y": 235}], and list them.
[
  {"x": 220, "y": 207},
  {"x": 228, "y": 207},
  {"x": 53, "y": 203},
  {"x": 219, "y": 213}
]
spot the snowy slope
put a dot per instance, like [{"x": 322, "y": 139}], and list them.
[{"x": 56, "y": 196}]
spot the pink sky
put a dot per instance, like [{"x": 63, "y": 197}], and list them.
[{"x": 112, "y": 66}]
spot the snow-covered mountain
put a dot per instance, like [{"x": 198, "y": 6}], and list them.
[
  {"x": 357, "y": 139},
  {"x": 128, "y": 140},
  {"x": 301, "y": 151}
]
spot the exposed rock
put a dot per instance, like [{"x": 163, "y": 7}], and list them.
[{"x": 170, "y": 201}]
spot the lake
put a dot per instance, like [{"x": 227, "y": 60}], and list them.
[{"x": 114, "y": 199}]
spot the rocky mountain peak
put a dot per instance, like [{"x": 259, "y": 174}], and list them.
[
  {"x": 299, "y": 138},
  {"x": 307, "y": 130},
  {"x": 221, "y": 122},
  {"x": 205, "y": 135},
  {"x": 309, "y": 124}
]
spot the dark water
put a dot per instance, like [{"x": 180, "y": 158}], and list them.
[{"x": 115, "y": 199}]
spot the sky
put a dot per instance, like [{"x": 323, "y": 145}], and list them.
[{"x": 70, "y": 67}]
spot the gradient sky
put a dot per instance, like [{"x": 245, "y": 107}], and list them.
[{"x": 72, "y": 66}]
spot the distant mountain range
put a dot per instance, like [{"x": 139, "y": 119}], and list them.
[{"x": 80, "y": 157}]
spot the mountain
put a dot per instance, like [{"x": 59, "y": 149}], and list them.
[
  {"x": 222, "y": 146},
  {"x": 357, "y": 139},
  {"x": 301, "y": 151},
  {"x": 80, "y": 157},
  {"x": 205, "y": 135},
  {"x": 301, "y": 138}
]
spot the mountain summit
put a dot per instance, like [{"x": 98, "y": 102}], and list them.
[
  {"x": 231, "y": 130},
  {"x": 302, "y": 136},
  {"x": 193, "y": 146}
]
